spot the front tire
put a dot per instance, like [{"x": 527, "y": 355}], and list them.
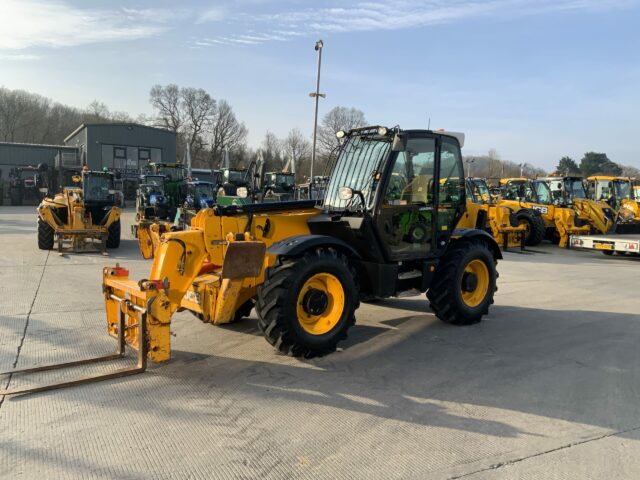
[
  {"x": 306, "y": 305},
  {"x": 464, "y": 283},
  {"x": 45, "y": 235},
  {"x": 113, "y": 235},
  {"x": 534, "y": 225}
]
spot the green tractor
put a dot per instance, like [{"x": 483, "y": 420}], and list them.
[{"x": 174, "y": 185}]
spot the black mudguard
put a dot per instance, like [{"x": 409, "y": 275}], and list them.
[
  {"x": 460, "y": 233},
  {"x": 298, "y": 244}
]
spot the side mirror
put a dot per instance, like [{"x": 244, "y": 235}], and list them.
[
  {"x": 345, "y": 193},
  {"x": 399, "y": 143}
]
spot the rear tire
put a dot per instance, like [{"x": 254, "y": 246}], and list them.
[
  {"x": 286, "y": 321},
  {"x": 535, "y": 227},
  {"x": 45, "y": 235},
  {"x": 452, "y": 295},
  {"x": 113, "y": 235}
]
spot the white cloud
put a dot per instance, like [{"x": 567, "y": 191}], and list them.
[
  {"x": 38, "y": 23},
  {"x": 214, "y": 14},
  {"x": 395, "y": 15},
  {"x": 19, "y": 57}
]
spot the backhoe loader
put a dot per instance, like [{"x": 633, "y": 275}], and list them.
[
  {"x": 618, "y": 192},
  {"x": 570, "y": 192},
  {"x": 482, "y": 212},
  {"x": 533, "y": 205},
  {"x": 82, "y": 217},
  {"x": 305, "y": 268}
]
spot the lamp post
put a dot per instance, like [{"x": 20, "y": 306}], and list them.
[
  {"x": 469, "y": 161},
  {"x": 317, "y": 96}
]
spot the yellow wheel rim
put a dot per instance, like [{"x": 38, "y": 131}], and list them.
[
  {"x": 475, "y": 283},
  {"x": 320, "y": 303}
]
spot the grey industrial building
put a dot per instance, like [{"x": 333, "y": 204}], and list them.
[
  {"x": 126, "y": 147},
  {"x": 123, "y": 147},
  {"x": 15, "y": 154}
]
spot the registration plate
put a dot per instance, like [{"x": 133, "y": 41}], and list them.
[{"x": 603, "y": 246}]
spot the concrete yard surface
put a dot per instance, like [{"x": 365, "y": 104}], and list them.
[{"x": 547, "y": 386}]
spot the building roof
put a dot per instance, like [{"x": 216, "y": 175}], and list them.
[
  {"x": 115, "y": 124},
  {"x": 36, "y": 145}
]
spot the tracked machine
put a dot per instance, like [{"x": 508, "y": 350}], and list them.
[{"x": 306, "y": 268}]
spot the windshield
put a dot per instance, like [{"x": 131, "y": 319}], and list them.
[
  {"x": 623, "y": 189},
  {"x": 234, "y": 176},
  {"x": 204, "y": 190},
  {"x": 521, "y": 190},
  {"x": 543, "y": 192},
  {"x": 173, "y": 173},
  {"x": 480, "y": 191},
  {"x": 575, "y": 188},
  {"x": 359, "y": 159},
  {"x": 96, "y": 188},
  {"x": 283, "y": 179}
]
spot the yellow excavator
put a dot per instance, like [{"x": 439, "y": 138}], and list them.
[
  {"x": 306, "y": 267},
  {"x": 82, "y": 217},
  {"x": 482, "y": 212}
]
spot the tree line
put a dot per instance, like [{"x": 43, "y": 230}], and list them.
[{"x": 210, "y": 127}]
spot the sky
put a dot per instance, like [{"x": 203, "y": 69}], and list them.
[{"x": 533, "y": 79}]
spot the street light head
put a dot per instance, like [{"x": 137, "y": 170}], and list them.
[{"x": 319, "y": 45}]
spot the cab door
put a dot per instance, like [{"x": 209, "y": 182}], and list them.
[{"x": 406, "y": 216}]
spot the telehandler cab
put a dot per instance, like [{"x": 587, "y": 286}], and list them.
[
  {"x": 82, "y": 217},
  {"x": 306, "y": 268}
]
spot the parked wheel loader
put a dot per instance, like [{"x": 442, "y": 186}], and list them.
[
  {"x": 82, "y": 217},
  {"x": 305, "y": 268},
  {"x": 532, "y": 202},
  {"x": 482, "y": 212}
]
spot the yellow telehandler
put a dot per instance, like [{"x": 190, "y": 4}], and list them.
[
  {"x": 306, "y": 267},
  {"x": 82, "y": 217}
]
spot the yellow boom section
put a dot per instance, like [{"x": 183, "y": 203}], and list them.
[{"x": 212, "y": 270}]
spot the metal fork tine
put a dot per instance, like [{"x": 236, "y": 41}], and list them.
[{"x": 140, "y": 367}]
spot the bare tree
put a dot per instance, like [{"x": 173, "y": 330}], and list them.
[
  {"x": 167, "y": 101},
  {"x": 297, "y": 147},
  {"x": 338, "y": 118},
  {"x": 199, "y": 110},
  {"x": 272, "y": 152},
  {"x": 226, "y": 132}
]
